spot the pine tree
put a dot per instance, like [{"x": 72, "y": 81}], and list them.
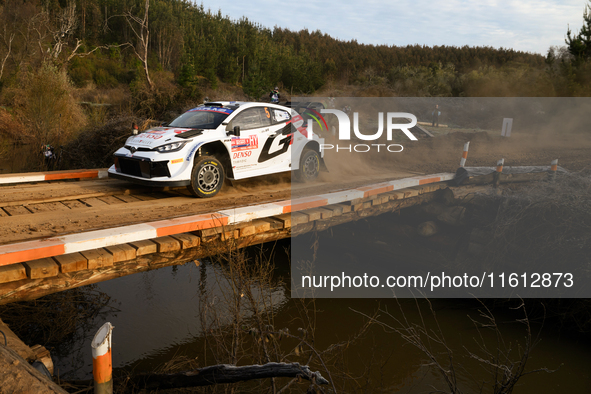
[{"x": 579, "y": 45}]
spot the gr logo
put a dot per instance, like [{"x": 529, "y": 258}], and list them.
[{"x": 345, "y": 125}]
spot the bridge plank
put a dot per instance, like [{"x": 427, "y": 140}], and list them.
[
  {"x": 128, "y": 198},
  {"x": 42, "y": 268},
  {"x": 313, "y": 214},
  {"x": 187, "y": 240},
  {"x": 145, "y": 197},
  {"x": 94, "y": 202},
  {"x": 244, "y": 231},
  {"x": 74, "y": 204},
  {"x": 46, "y": 207},
  {"x": 325, "y": 213},
  {"x": 298, "y": 218},
  {"x": 111, "y": 200},
  {"x": 274, "y": 223},
  {"x": 121, "y": 252},
  {"x": 285, "y": 219},
  {"x": 13, "y": 272},
  {"x": 394, "y": 195},
  {"x": 167, "y": 244},
  {"x": 71, "y": 262},
  {"x": 17, "y": 210},
  {"x": 144, "y": 247},
  {"x": 411, "y": 191},
  {"x": 335, "y": 209},
  {"x": 261, "y": 226},
  {"x": 98, "y": 258},
  {"x": 345, "y": 207}
]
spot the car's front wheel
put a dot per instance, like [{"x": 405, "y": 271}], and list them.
[
  {"x": 207, "y": 177},
  {"x": 309, "y": 166}
]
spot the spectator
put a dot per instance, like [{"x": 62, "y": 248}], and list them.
[
  {"x": 274, "y": 95},
  {"x": 435, "y": 114}
]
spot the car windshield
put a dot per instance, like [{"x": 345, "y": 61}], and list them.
[{"x": 201, "y": 118}]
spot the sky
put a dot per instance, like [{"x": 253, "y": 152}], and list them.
[{"x": 525, "y": 25}]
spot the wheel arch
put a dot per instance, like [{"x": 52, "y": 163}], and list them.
[
  {"x": 220, "y": 152},
  {"x": 315, "y": 146}
]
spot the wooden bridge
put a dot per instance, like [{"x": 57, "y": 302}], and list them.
[
  {"x": 33, "y": 264},
  {"x": 35, "y": 267}
]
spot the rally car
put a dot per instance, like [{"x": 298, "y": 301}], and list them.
[{"x": 218, "y": 140}]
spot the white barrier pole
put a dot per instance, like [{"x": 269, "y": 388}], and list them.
[
  {"x": 553, "y": 169},
  {"x": 465, "y": 154}
]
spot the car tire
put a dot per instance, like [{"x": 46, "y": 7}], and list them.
[
  {"x": 207, "y": 177},
  {"x": 309, "y": 166}
]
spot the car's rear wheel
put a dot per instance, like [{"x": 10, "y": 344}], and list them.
[
  {"x": 207, "y": 177},
  {"x": 309, "y": 166}
]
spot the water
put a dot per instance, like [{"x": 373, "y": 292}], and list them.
[{"x": 158, "y": 318}]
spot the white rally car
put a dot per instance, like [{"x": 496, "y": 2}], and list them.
[{"x": 203, "y": 146}]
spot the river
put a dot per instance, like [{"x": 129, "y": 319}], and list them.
[{"x": 158, "y": 318}]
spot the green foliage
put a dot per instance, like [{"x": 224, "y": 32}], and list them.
[
  {"x": 154, "y": 103},
  {"x": 579, "y": 45},
  {"x": 255, "y": 84},
  {"x": 204, "y": 50}
]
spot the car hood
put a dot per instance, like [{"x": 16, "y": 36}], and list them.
[{"x": 159, "y": 136}]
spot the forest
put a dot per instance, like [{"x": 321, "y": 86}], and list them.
[{"x": 66, "y": 64}]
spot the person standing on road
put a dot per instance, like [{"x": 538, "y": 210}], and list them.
[
  {"x": 274, "y": 95},
  {"x": 435, "y": 115}
]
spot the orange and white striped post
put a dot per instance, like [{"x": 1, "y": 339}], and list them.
[
  {"x": 500, "y": 164},
  {"x": 465, "y": 154},
  {"x": 553, "y": 169},
  {"x": 102, "y": 366},
  {"x": 497, "y": 176}
]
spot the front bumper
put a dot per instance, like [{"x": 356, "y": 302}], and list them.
[
  {"x": 146, "y": 182},
  {"x": 141, "y": 167},
  {"x": 144, "y": 171}
]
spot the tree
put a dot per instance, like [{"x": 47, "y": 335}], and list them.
[
  {"x": 139, "y": 27},
  {"x": 579, "y": 45}
]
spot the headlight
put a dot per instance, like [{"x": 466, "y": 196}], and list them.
[{"x": 175, "y": 146}]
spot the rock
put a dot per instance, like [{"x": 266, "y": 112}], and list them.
[{"x": 427, "y": 229}]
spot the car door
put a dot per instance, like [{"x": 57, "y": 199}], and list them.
[
  {"x": 277, "y": 148},
  {"x": 255, "y": 128}
]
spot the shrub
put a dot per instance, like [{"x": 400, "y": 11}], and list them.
[{"x": 44, "y": 103}]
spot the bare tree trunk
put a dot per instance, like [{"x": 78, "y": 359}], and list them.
[
  {"x": 142, "y": 32},
  {"x": 9, "y": 45}
]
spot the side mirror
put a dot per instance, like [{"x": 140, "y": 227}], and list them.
[{"x": 236, "y": 131}]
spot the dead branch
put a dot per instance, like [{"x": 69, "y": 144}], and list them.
[
  {"x": 222, "y": 374},
  {"x": 67, "y": 23},
  {"x": 139, "y": 27},
  {"x": 9, "y": 45},
  {"x": 79, "y": 44}
]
